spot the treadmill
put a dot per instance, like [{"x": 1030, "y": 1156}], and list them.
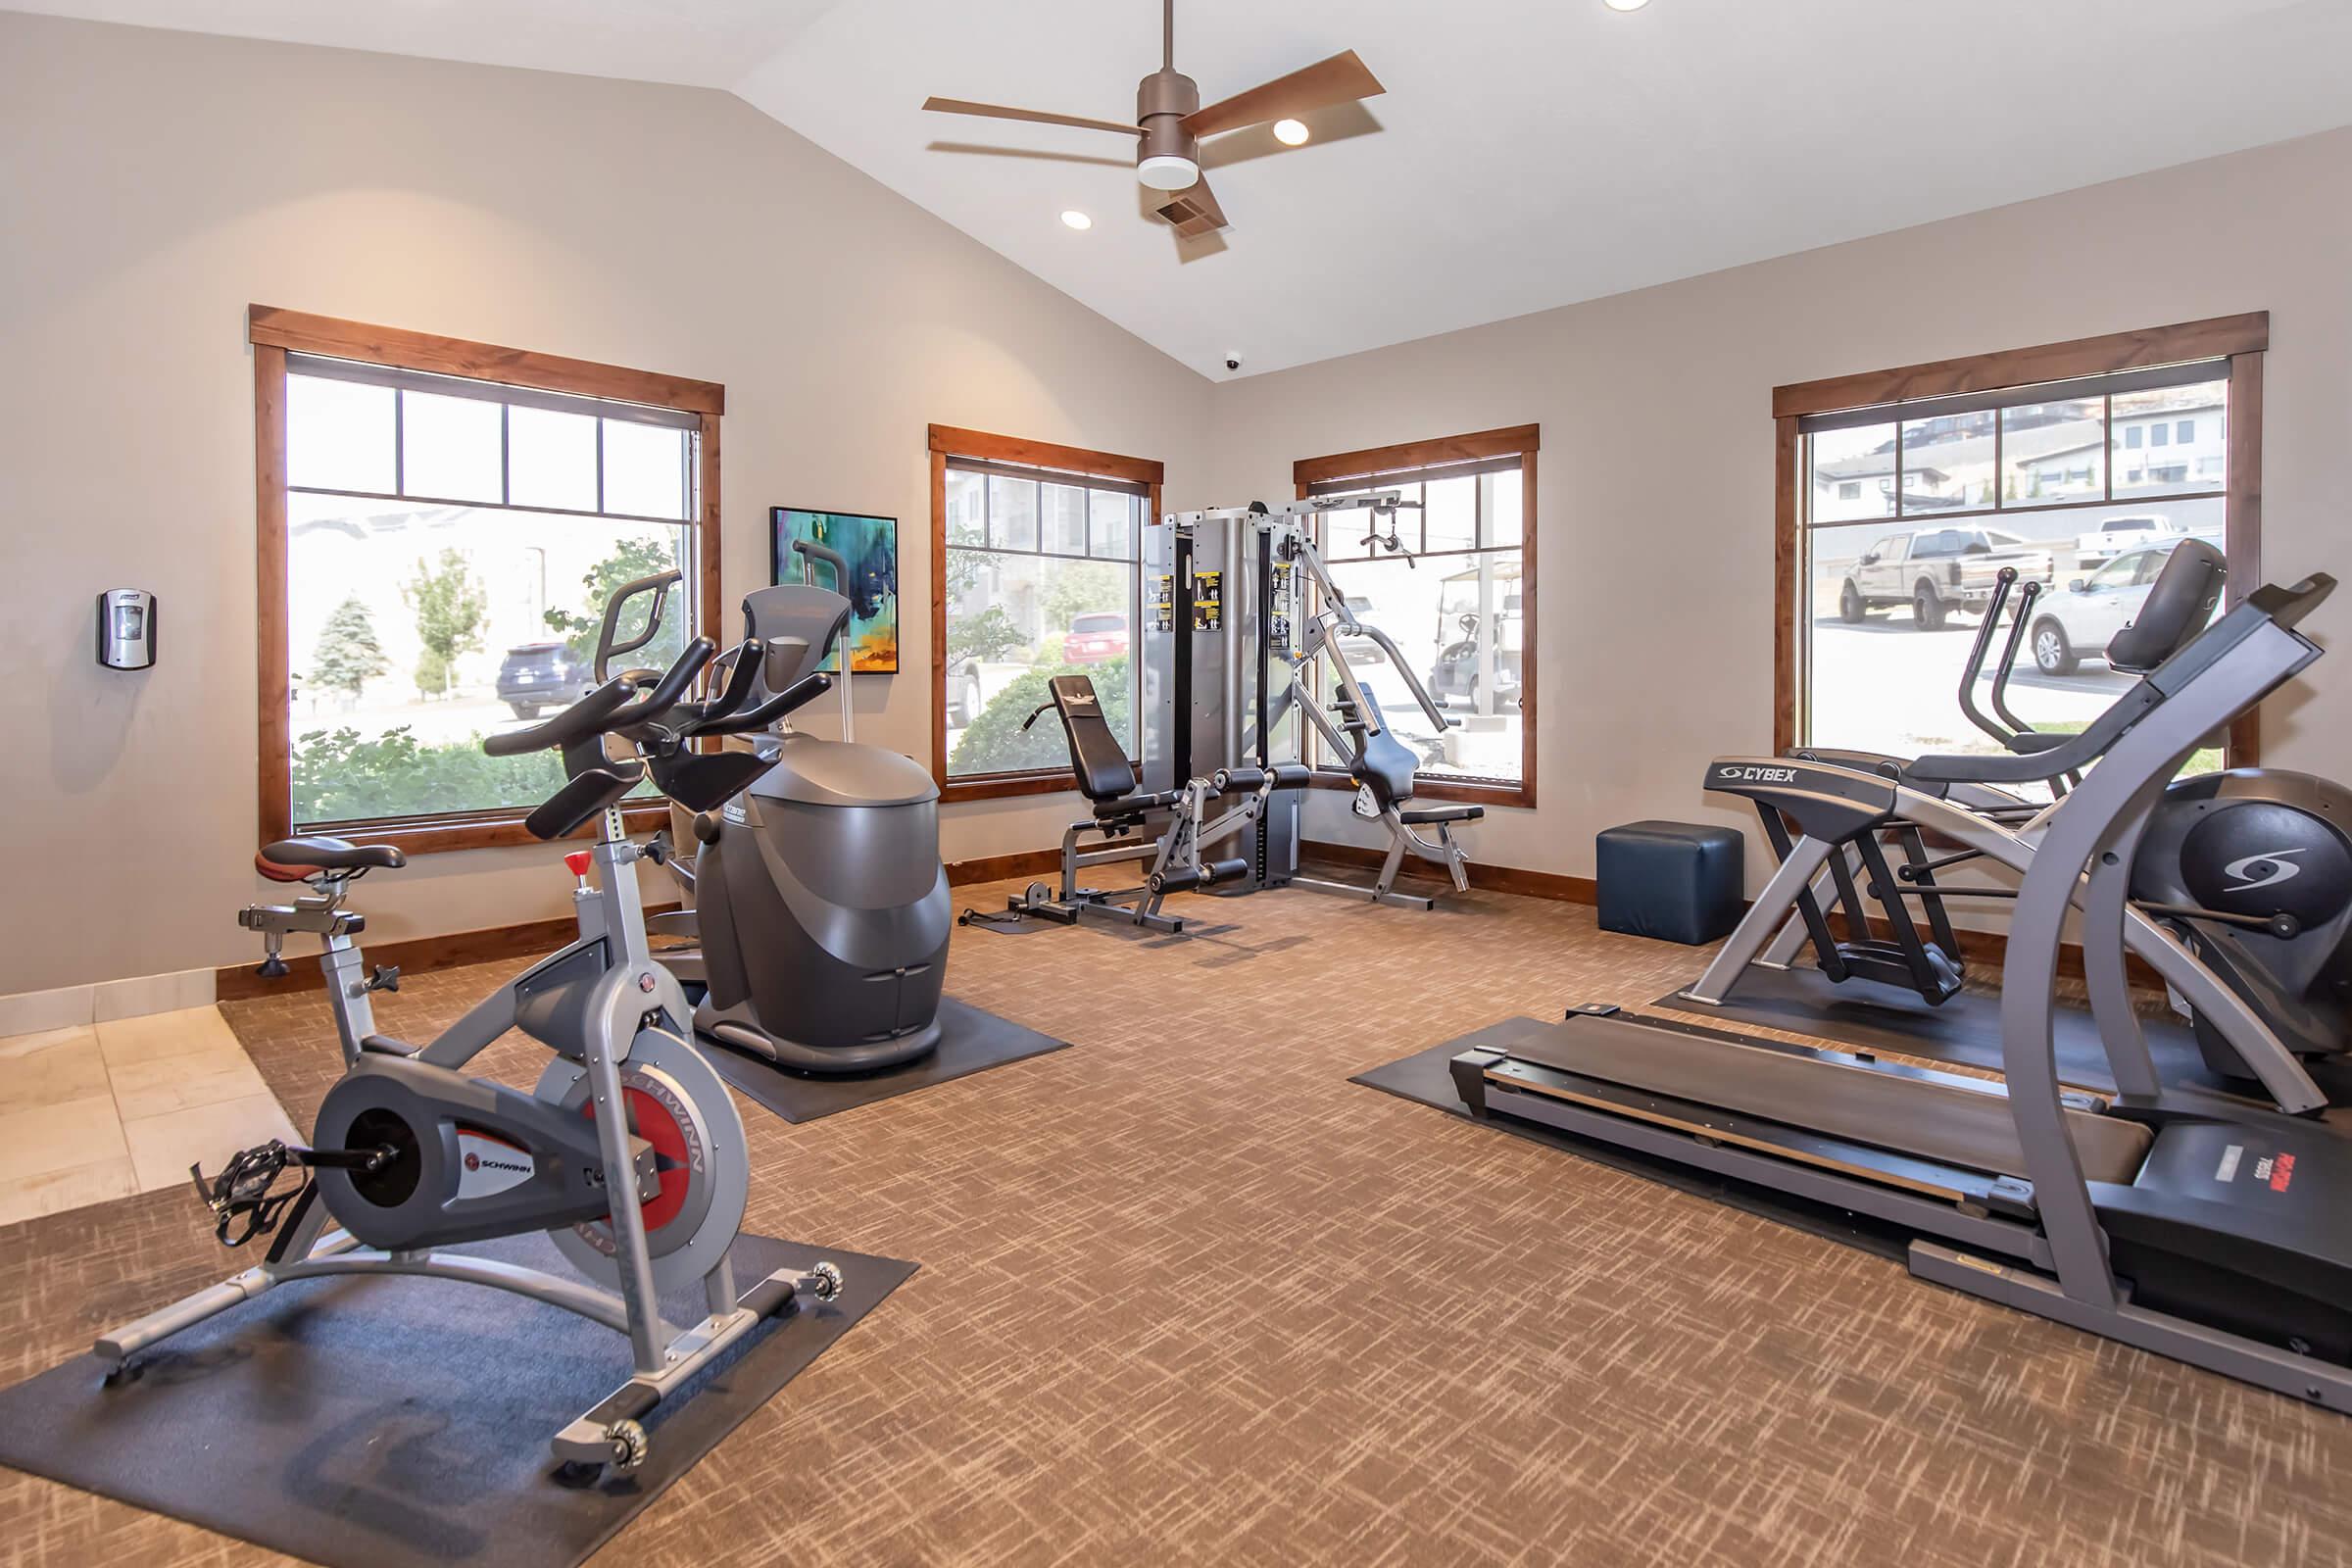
[{"x": 2219, "y": 1235}]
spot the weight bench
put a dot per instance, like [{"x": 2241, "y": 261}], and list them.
[
  {"x": 1107, "y": 780},
  {"x": 1383, "y": 769}
]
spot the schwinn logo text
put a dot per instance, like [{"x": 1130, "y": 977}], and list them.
[
  {"x": 1756, "y": 775},
  {"x": 477, "y": 1162}
]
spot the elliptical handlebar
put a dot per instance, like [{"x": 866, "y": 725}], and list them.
[
  {"x": 2026, "y": 597},
  {"x": 658, "y": 585},
  {"x": 2002, "y": 584},
  {"x": 811, "y": 552}
]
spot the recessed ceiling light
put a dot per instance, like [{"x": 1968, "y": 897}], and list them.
[
  {"x": 1077, "y": 220},
  {"x": 1294, "y": 132},
  {"x": 1624, "y": 5}
]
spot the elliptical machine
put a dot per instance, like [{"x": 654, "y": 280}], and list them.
[
  {"x": 818, "y": 899},
  {"x": 411, "y": 1156},
  {"x": 2250, "y": 870}
]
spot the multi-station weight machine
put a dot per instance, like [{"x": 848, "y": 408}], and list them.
[{"x": 1238, "y": 609}]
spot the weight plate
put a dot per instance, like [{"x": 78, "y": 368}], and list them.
[{"x": 683, "y": 1108}]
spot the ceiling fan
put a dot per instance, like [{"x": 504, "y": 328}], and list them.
[{"x": 1169, "y": 121}]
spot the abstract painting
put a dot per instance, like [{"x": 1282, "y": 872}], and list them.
[{"x": 871, "y": 545}]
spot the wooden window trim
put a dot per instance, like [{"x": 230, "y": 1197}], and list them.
[
  {"x": 1373, "y": 464},
  {"x": 2242, "y": 340},
  {"x": 2220, "y": 337},
  {"x": 951, "y": 441},
  {"x": 275, "y": 333}
]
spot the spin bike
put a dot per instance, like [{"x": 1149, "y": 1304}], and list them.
[{"x": 411, "y": 1156}]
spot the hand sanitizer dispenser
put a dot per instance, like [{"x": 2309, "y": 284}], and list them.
[{"x": 127, "y": 628}]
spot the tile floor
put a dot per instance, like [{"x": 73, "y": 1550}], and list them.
[{"x": 122, "y": 1107}]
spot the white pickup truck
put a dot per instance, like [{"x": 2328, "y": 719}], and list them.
[
  {"x": 1936, "y": 571},
  {"x": 2116, "y": 535}
]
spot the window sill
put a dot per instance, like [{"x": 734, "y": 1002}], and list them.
[
  {"x": 486, "y": 832},
  {"x": 1006, "y": 786},
  {"x": 1442, "y": 787}
]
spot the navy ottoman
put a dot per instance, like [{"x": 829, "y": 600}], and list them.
[{"x": 1676, "y": 881}]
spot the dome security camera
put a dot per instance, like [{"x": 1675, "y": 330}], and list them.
[{"x": 1233, "y": 362}]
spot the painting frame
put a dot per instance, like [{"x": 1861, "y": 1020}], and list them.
[{"x": 869, "y": 541}]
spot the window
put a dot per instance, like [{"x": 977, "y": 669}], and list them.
[
  {"x": 1876, "y": 639},
  {"x": 436, "y": 550},
  {"x": 1036, "y": 552},
  {"x": 1462, "y": 613},
  {"x": 1850, "y": 490}
]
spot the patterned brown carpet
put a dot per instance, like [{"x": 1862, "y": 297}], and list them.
[{"x": 1190, "y": 1296}]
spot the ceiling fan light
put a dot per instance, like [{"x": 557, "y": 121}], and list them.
[
  {"x": 1074, "y": 218},
  {"x": 1291, "y": 132},
  {"x": 1624, "y": 5},
  {"x": 1166, "y": 172}
]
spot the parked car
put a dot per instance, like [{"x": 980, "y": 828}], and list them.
[
  {"x": 971, "y": 683},
  {"x": 2075, "y": 624},
  {"x": 1936, "y": 571},
  {"x": 542, "y": 675},
  {"x": 1094, "y": 636},
  {"x": 2116, "y": 535}
]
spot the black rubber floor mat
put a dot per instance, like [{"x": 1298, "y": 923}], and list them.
[
  {"x": 1966, "y": 1030},
  {"x": 401, "y": 1423},
  {"x": 970, "y": 1041}
]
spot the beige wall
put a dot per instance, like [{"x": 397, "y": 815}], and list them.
[
  {"x": 155, "y": 183},
  {"x": 1656, "y": 476}
]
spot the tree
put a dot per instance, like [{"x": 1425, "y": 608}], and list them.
[
  {"x": 450, "y": 608},
  {"x": 986, "y": 637},
  {"x": 1079, "y": 587},
  {"x": 996, "y": 743},
  {"x": 348, "y": 654},
  {"x": 644, "y": 557}
]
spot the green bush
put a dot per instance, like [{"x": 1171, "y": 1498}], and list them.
[
  {"x": 995, "y": 743},
  {"x": 343, "y": 777}
]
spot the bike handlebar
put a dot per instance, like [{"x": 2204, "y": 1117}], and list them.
[{"x": 607, "y": 709}]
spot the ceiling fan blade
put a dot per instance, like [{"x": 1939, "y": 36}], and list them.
[
  {"x": 1318, "y": 87},
  {"x": 1194, "y": 211},
  {"x": 958, "y": 105}
]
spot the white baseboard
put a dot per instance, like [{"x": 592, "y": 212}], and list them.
[{"x": 73, "y": 1006}]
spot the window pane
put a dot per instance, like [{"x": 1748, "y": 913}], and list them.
[
  {"x": 2170, "y": 440},
  {"x": 1451, "y": 522},
  {"x": 1064, "y": 518},
  {"x": 1111, "y": 520},
  {"x": 1011, "y": 512},
  {"x": 645, "y": 470},
  {"x": 1501, "y": 498},
  {"x": 2053, "y": 452},
  {"x": 551, "y": 459},
  {"x": 1460, "y": 630},
  {"x": 1875, "y": 682},
  {"x": 450, "y": 448},
  {"x": 339, "y": 435},
  {"x": 967, "y": 507},
  {"x": 1948, "y": 462},
  {"x": 1853, "y": 473},
  {"x": 1013, "y": 621},
  {"x": 415, "y": 630}
]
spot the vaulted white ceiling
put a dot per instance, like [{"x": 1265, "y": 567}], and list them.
[{"x": 1528, "y": 153}]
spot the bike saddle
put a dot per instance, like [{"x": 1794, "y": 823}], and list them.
[{"x": 331, "y": 854}]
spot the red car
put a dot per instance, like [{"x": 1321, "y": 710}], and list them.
[{"x": 1095, "y": 637}]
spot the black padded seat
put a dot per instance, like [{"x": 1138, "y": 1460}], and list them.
[
  {"x": 1442, "y": 813},
  {"x": 1096, "y": 757},
  {"x": 1382, "y": 764},
  {"x": 333, "y": 854}
]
